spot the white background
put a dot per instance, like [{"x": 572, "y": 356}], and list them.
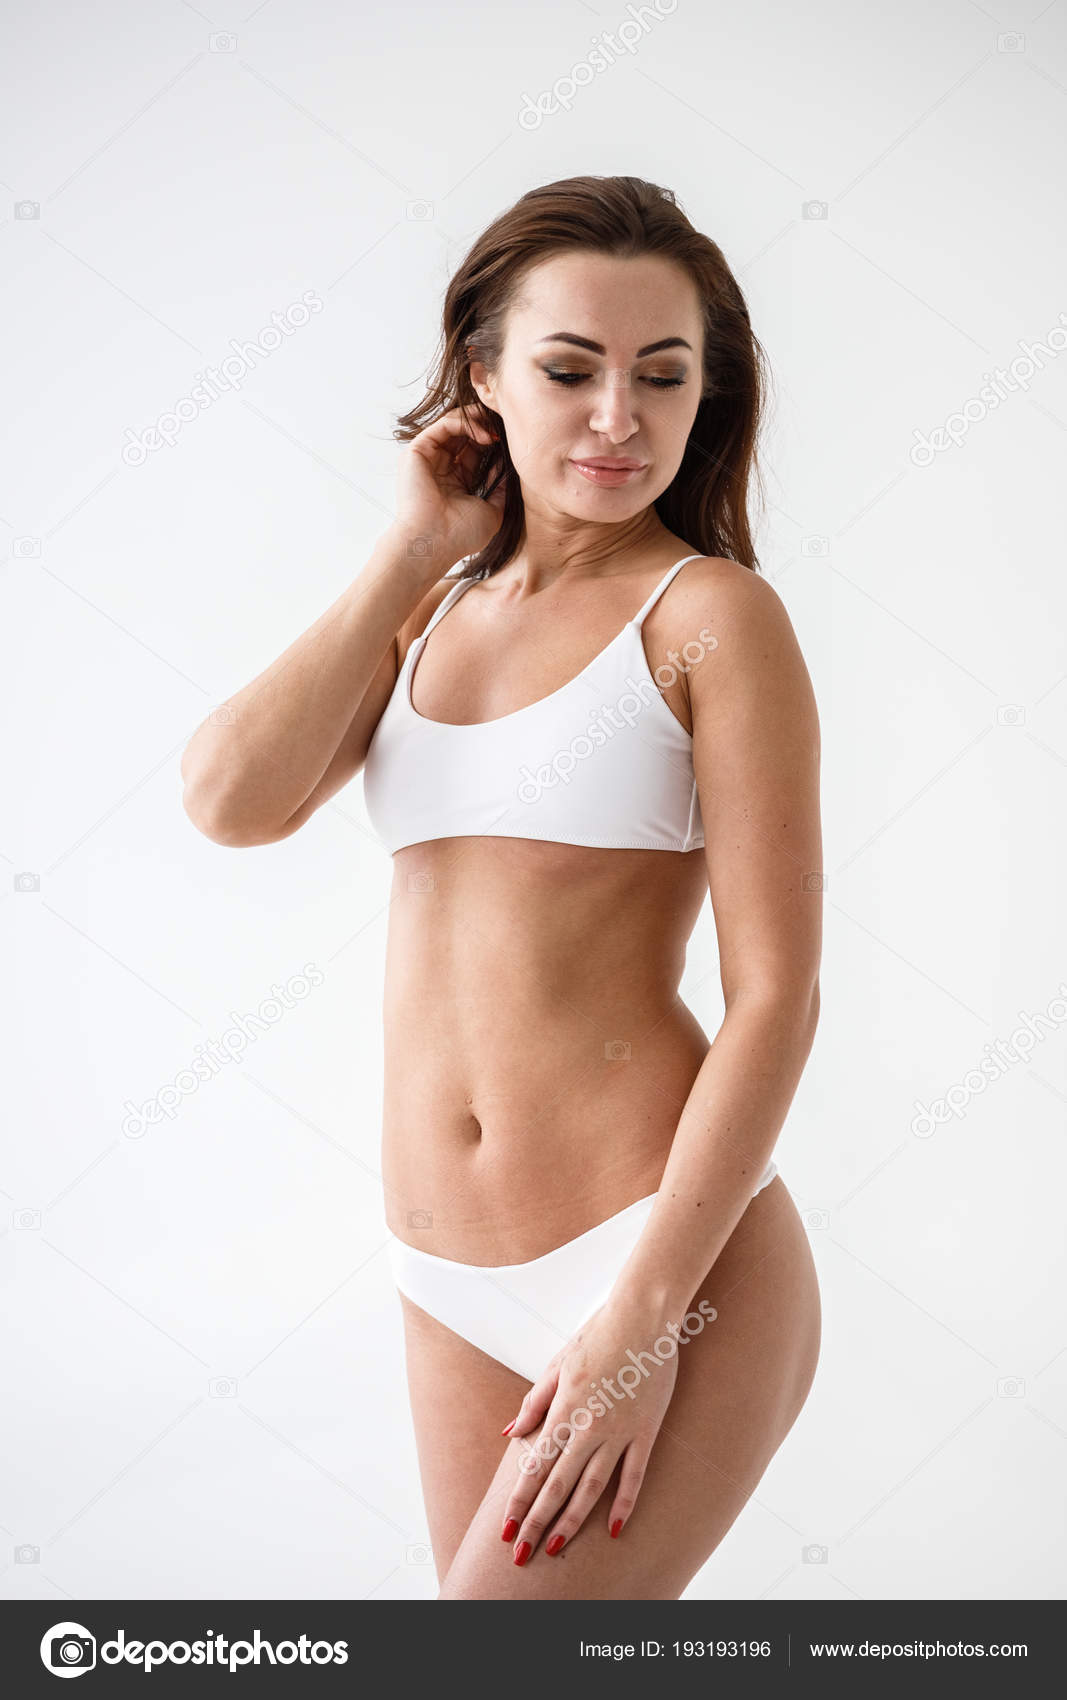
[{"x": 185, "y": 194}]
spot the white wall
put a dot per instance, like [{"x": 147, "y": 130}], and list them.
[{"x": 186, "y": 194}]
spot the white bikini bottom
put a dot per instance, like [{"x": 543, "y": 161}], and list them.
[{"x": 522, "y": 1313}]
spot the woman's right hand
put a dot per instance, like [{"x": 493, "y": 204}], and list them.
[{"x": 434, "y": 499}]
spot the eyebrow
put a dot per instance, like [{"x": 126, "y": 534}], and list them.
[{"x": 598, "y": 348}]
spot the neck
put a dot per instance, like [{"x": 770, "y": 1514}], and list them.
[{"x": 552, "y": 546}]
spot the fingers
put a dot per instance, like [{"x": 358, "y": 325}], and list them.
[
  {"x": 448, "y": 431},
  {"x": 467, "y": 461},
  {"x": 453, "y": 446},
  {"x": 536, "y": 1501},
  {"x": 591, "y": 1484},
  {"x": 634, "y": 1464},
  {"x": 535, "y": 1402},
  {"x": 559, "y": 1497}
]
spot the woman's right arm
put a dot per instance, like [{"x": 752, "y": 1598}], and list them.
[
  {"x": 260, "y": 765},
  {"x": 263, "y": 762}
]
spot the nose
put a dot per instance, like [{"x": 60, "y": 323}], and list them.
[{"x": 613, "y": 409}]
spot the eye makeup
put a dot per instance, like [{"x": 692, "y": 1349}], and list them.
[{"x": 569, "y": 378}]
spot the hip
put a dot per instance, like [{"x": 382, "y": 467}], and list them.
[{"x": 411, "y": 1248}]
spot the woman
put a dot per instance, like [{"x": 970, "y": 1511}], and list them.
[{"x": 611, "y": 717}]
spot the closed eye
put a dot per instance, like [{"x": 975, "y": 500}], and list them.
[{"x": 559, "y": 375}]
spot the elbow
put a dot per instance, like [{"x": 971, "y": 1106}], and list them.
[
  {"x": 212, "y": 817},
  {"x": 210, "y": 822},
  {"x": 199, "y": 800},
  {"x": 790, "y": 1011},
  {"x": 218, "y": 807},
  {"x": 804, "y": 1006},
  {"x": 807, "y": 1017},
  {"x": 232, "y": 835}
]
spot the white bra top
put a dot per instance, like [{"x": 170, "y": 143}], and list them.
[{"x": 602, "y": 761}]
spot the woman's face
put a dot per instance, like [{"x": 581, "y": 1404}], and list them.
[{"x": 585, "y": 376}]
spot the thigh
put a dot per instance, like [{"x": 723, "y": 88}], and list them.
[
  {"x": 741, "y": 1384},
  {"x": 460, "y": 1401}
]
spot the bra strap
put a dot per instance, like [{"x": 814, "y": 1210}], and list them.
[
  {"x": 639, "y": 617},
  {"x": 445, "y": 604}
]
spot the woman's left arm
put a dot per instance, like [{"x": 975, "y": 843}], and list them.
[{"x": 756, "y": 756}]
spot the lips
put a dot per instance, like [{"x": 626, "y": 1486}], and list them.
[
  {"x": 611, "y": 463},
  {"x": 604, "y": 470}
]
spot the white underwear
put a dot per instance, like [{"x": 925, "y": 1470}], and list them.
[{"x": 522, "y": 1313}]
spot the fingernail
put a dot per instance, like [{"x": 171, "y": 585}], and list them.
[
  {"x": 523, "y": 1552},
  {"x": 615, "y": 1527},
  {"x": 554, "y": 1545},
  {"x": 511, "y": 1529},
  {"x": 510, "y": 1426}
]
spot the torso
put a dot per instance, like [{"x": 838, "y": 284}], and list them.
[{"x": 537, "y": 1056}]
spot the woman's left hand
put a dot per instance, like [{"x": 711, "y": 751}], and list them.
[{"x": 619, "y": 1399}]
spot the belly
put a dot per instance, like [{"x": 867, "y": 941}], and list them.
[{"x": 537, "y": 1057}]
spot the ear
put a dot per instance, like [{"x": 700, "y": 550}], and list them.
[{"x": 482, "y": 384}]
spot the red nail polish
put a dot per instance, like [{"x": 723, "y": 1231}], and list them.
[
  {"x": 509, "y": 1428},
  {"x": 615, "y": 1527},
  {"x": 523, "y": 1553},
  {"x": 554, "y": 1545},
  {"x": 511, "y": 1529}
]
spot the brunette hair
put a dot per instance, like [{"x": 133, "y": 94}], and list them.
[{"x": 706, "y": 503}]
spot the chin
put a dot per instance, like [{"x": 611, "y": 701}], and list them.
[{"x": 608, "y": 500}]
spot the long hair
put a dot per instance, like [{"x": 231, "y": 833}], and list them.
[{"x": 706, "y": 503}]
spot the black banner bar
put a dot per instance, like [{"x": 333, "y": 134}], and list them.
[{"x": 241, "y": 1646}]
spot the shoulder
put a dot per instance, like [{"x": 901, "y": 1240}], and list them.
[
  {"x": 728, "y": 607},
  {"x": 736, "y": 618},
  {"x": 717, "y": 582},
  {"x": 741, "y": 608}
]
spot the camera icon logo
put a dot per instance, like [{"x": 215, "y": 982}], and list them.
[
  {"x": 421, "y": 882},
  {"x": 420, "y": 1218},
  {"x": 619, "y": 378},
  {"x": 814, "y": 882},
  {"x": 814, "y": 1554},
  {"x": 26, "y": 1219},
  {"x": 68, "y": 1649},
  {"x": 26, "y": 548},
  {"x": 420, "y": 209},
  {"x": 816, "y": 1218},
  {"x": 224, "y": 716},
  {"x": 223, "y": 42},
  {"x": 27, "y": 882},
  {"x": 1011, "y": 1387},
  {"x": 27, "y": 1554},
  {"x": 420, "y": 1554},
  {"x": 815, "y": 546},
  {"x": 222, "y": 1387},
  {"x": 1011, "y": 714},
  {"x": 616, "y": 1050},
  {"x": 27, "y": 209},
  {"x": 815, "y": 209},
  {"x": 1011, "y": 42}
]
